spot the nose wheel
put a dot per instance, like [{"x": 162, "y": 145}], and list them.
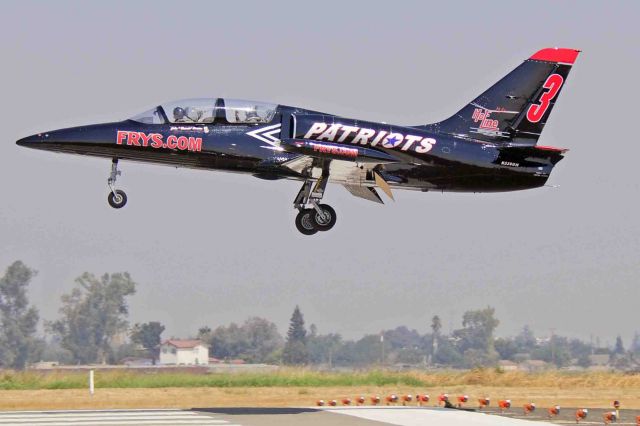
[
  {"x": 117, "y": 198},
  {"x": 312, "y": 216}
]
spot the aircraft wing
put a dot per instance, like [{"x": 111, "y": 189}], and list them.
[{"x": 353, "y": 167}]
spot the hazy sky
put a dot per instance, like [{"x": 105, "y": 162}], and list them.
[{"x": 210, "y": 248}]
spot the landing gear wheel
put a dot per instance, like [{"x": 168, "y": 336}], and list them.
[
  {"x": 117, "y": 200},
  {"x": 325, "y": 221},
  {"x": 305, "y": 222}
]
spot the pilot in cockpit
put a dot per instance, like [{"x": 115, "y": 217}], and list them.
[
  {"x": 179, "y": 115},
  {"x": 252, "y": 115}
]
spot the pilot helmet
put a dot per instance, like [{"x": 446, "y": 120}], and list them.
[
  {"x": 193, "y": 114},
  {"x": 178, "y": 113}
]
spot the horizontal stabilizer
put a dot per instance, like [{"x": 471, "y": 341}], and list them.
[{"x": 534, "y": 153}]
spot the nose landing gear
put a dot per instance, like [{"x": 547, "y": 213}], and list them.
[
  {"x": 117, "y": 198},
  {"x": 312, "y": 216}
]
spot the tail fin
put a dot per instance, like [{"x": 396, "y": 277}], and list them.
[{"x": 516, "y": 108}]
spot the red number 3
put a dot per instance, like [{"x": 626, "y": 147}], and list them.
[{"x": 553, "y": 85}]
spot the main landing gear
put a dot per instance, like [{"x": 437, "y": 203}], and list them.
[
  {"x": 117, "y": 197},
  {"x": 312, "y": 216}
]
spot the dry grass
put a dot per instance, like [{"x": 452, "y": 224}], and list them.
[
  {"x": 556, "y": 379},
  {"x": 303, "y": 388},
  {"x": 300, "y": 377},
  {"x": 297, "y": 396}
]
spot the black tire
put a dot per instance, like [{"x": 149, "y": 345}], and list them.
[
  {"x": 117, "y": 200},
  {"x": 305, "y": 222},
  {"x": 324, "y": 223}
]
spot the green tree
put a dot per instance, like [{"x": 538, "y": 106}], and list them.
[
  {"x": 204, "y": 334},
  {"x": 228, "y": 342},
  {"x": 619, "y": 349},
  {"x": 436, "y": 326},
  {"x": 323, "y": 347},
  {"x": 92, "y": 314},
  {"x": 403, "y": 338},
  {"x": 635, "y": 344},
  {"x": 506, "y": 348},
  {"x": 526, "y": 340},
  {"x": 556, "y": 351},
  {"x": 148, "y": 335},
  {"x": 366, "y": 351},
  {"x": 255, "y": 341},
  {"x": 295, "y": 349},
  {"x": 584, "y": 361},
  {"x": 447, "y": 353},
  {"x": 477, "y": 334},
  {"x": 18, "y": 344},
  {"x": 263, "y": 339}
]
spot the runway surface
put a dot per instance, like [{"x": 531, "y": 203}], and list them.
[
  {"x": 110, "y": 417},
  {"x": 333, "y": 416}
]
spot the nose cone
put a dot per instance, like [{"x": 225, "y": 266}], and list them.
[{"x": 30, "y": 141}]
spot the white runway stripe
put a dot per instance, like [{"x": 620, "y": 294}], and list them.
[
  {"x": 199, "y": 421},
  {"x": 108, "y": 418},
  {"x": 110, "y": 411},
  {"x": 97, "y": 415},
  {"x": 103, "y": 418}
]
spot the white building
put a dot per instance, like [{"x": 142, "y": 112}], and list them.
[{"x": 183, "y": 352}]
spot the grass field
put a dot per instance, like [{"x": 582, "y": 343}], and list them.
[{"x": 299, "y": 387}]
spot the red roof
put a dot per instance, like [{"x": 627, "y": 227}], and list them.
[{"x": 183, "y": 344}]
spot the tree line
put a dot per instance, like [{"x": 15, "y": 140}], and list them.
[{"x": 93, "y": 327}]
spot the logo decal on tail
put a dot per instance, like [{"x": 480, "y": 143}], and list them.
[{"x": 553, "y": 84}]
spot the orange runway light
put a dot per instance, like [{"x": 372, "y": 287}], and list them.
[
  {"x": 442, "y": 398},
  {"x": 346, "y": 401},
  {"x": 609, "y": 417},
  {"x": 504, "y": 404},
  {"x": 616, "y": 404},
  {"x": 360, "y": 400},
  {"x": 406, "y": 398},
  {"x": 581, "y": 414},
  {"x": 529, "y": 408},
  {"x": 375, "y": 400},
  {"x": 392, "y": 399},
  {"x": 320, "y": 403},
  {"x": 422, "y": 398},
  {"x": 333, "y": 403},
  {"x": 638, "y": 420},
  {"x": 483, "y": 403},
  {"x": 554, "y": 411},
  {"x": 462, "y": 399}
]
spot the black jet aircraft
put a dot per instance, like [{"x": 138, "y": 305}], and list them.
[{"x": 489, "y": 145}]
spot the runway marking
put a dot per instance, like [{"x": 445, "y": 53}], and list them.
[
  {"x": 409, "y": 416},
  {"x": 569, "y": 422},
  {"x": 109, "y": 417}
]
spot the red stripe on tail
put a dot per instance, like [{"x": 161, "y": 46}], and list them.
[{"x": 556, "y": 54}]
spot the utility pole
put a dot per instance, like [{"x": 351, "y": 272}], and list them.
[
  {"x": 552, "y": 342},
  {"x": 382, "y": 347}
]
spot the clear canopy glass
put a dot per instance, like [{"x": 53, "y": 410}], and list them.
[
  {"x": 152, "y": 116},
  {"x": 191, "y": 111},
  {"x": 239, "y": 111},
  {"x": 209, "y": 111}
]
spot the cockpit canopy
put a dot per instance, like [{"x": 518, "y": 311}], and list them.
[{"x": 209, "y": 111}]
